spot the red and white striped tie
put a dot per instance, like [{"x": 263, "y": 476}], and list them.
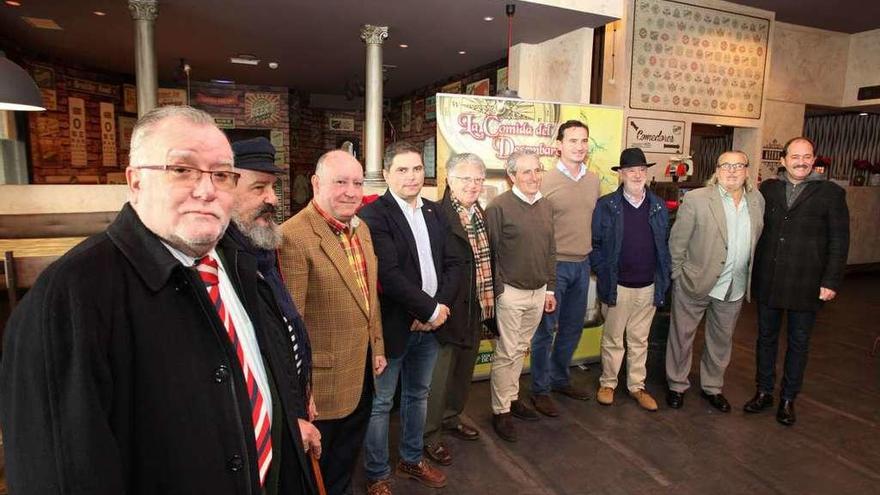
[{"x": 207, "y": 268}]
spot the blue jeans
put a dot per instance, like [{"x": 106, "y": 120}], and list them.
[
  {"x": 800, "y": 326},
  {"x": 414, "y": 368},
  {"x": 551, "y": 359}
]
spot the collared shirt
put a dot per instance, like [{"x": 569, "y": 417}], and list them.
[
  {"x": 351, "y": 245},
  {"x": 635, "y": 202},
  {"x": 582, "y": 171},
  {"x": 244, "y": 328},
  {"x": 519, "y": 194},
  {"x": 416, "y": 220},
  {"x": 731, "y": 285}
]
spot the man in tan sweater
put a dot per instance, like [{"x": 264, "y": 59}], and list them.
[{"x": 572, "y": 192}]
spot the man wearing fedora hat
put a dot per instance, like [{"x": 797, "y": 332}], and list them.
[
  {"x": 631, "y": 259},
  {"x": 254, "y": 229}
]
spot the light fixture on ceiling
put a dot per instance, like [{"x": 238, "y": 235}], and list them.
[
  {"x": 222, "y": 81},
  {"x": 17, "y": 90},
  {"x": 273, "y": 65},
  {"x": 403, "y": 45},
  {"x": 244, "y": 59},
  {"x": 462, "y": 52},
  {"x": 863, "y": 114},
  {"x": 717, "y": 125},
  {"x": 488, "y": 18},
  {"x": 13, "y": 3},
  {"x": 99, "y": 13},
  {"x": 42, "y": 23}
]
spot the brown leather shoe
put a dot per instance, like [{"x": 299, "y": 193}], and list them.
[
  {"x": 503, "y": 424},
  {"x": 572, "y": 392},
  {"x": 520, "y": 410},
  {"x": 605, "y": 396},
  {"x": 464, "y": 431},
  {"x": 545, "y": 405},
  {"x": 379, "y": 487},
  {"x": 645, "y": 400},
  {"x": 437, "y": 452},
  {"x": 422, "y": 472}
]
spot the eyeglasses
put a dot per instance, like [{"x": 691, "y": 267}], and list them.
[
  {"x": 733, "y": 167},
  {"x": 224, "y": 180},
  {"x": 470, "y": 180}
]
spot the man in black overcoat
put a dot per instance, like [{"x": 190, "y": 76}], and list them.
[
  {"x": 151, "y": 358},
  {"x": 799, "y": 265}
]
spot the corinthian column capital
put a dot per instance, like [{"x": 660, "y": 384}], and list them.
[
  {"x": 143, "y": 10},
  {"x": 374, "y": 35}
]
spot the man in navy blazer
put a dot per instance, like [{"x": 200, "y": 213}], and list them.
[{"x": 418, "y": 277}]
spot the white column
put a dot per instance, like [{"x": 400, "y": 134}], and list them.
[
  {"x": 144, "y": 13},
  {"x": 373, "y": 37}
]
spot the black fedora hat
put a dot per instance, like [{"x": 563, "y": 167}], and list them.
[
  {"x": 632, "y": 157},
  {"x": 255, "y": 154}
]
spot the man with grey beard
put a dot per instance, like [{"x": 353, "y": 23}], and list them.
[{"x": 254, "y": 229}]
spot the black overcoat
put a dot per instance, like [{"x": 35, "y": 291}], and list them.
[
  {"x": 118, "y": 377},
  {"x": 802, "y": 248}
]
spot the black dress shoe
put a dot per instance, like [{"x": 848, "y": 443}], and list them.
[
  {"x": 717, "y": 401},
  {"x": 761, "y": 401},
  {"x": 674, "y": 399},
  {"x": 503, "y": 426},
  {"x": 438, "y": 453},
  {"x": 520, "y": 410},
  {"x": 785, "y": 413},
  {"x": 464, "y": 432}
]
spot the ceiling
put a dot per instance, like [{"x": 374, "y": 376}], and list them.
[{"x": 317, "y": 43}]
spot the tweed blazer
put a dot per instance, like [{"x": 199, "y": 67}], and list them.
[
  {"x": 340, "y": 325},
  {"x": 698, "y": 240},
  {"x": 803, "y": 247}
]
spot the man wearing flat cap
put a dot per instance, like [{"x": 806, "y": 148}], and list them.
[
  {"x": 253, "y": 227},
  {"x": 631, "y": 259}
]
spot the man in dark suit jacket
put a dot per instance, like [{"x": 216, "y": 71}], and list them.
[
  {"x": 418, "y": 277},
  {"x": 799, "y": 264}
]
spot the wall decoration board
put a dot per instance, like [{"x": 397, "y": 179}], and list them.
[{"x": 694, "y": 59}]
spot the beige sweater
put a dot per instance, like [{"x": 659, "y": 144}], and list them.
[{"x": 572, "y": 204}]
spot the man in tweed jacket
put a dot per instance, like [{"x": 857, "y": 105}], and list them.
[
  {"x": 330, "y": 268},
  {"x": 799, "y": 264}
]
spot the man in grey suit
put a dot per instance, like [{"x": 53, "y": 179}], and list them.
[{"x": 712, "y": 245}]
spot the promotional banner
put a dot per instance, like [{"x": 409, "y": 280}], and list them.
[{"x": 493, "y": 128}]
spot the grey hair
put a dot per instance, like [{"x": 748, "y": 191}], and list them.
[
  {"x": 749, "y": 185},
  {"x": 515, "y": 156},
  {"x": 148, "y": 122},
  {"x": 398, "y": 148},
  {"x": 460, "y": 158}
]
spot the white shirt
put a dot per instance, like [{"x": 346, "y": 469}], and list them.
[
  {"x": 582, "y": 171},
  {"x": 519, "y": 194},
  {"x": 416, "y": 220},
  {"x": 244, "y": 328},
  {"x": 635, "y": 202}
]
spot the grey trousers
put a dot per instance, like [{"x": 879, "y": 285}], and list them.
[
  {"x": 721, "y": 319},
  {"x": 450, "y": 385}
]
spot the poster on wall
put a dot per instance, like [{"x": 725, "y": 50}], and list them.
[
  {"x": 126, "y": 126},
  {"x": 500, "y": 80},
  {"x": 429, "y": 157},
  {"x": 405, "y": 115},
  {"x": 345, "y": 124},
  {"x": 451, "y": 88},
  {"x": 108, "y": 135},
  {"x": 77, "y": 113},
  {"x": 262, "y": 109},
  {"x": 493, "y": 128},
  {"x": 430, "y": 108},
  {"x": 129, "y": 98},
  {"x": 697, "y": 60},
  {"x": 480, "y": 87},
  {"x": 48, "y": 142},
  {"x": 49, "y": 98},
  {"x": 44, "y": 77},
  {"x": 655, "y": 135},
  {"x": 170, "y": 96}
]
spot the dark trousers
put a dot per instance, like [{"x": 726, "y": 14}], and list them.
[
  {"x": 450, "y": 385},
  {"x": 342, "y": 439},
  {"x": 798, "y": 330}
]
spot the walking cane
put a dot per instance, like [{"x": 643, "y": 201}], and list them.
[{"x": 319, "y": 480}]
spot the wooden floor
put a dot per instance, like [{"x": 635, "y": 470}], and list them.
[
  {"x": 834, "y": 448},
  {"x": 621, "y": 449}
]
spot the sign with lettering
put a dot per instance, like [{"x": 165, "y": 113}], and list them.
[
  {"x": 129, "y": 98},
  {"x": 77, "y": 110},
  {"x": 92, "y": 87},
  {"x": 108, "y": 135},
  {"x": 655, "y": 135},
  {"x": 262, "y": 109}
]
